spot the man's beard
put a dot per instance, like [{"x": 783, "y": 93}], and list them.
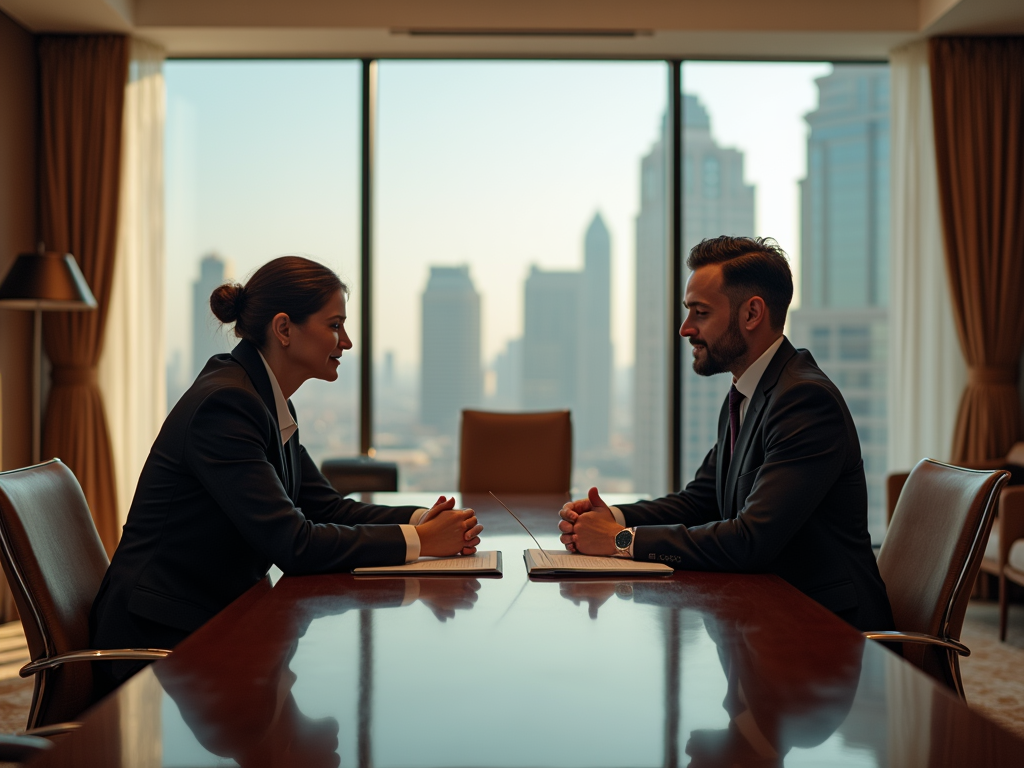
[{"x": 720, "y": 355}]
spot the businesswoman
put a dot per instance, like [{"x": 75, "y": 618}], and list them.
[{"x": 228, "y": 490}]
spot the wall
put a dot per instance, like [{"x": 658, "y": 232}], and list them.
[{"x": 18, "y": 108}]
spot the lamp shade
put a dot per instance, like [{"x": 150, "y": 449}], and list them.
[{"x": 47, "y": 280}]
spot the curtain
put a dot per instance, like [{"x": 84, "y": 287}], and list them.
[
  {"x": 978, "y": 108},
  {"x": 927, "y": 373},
  {"x": 82, "y": 83},
  {"x": 131, "y": 369}
]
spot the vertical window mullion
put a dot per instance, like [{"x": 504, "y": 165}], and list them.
[
  {"x": 369, "y": 123},
  {"x": 675, "y": 205}
]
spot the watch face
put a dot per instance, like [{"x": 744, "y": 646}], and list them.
[{"x": 623, "y": 538}]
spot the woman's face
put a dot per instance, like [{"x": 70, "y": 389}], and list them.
[{"x": 316, "y": 345}]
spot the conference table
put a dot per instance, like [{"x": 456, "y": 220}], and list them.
[{"x": 698, "y": 669}]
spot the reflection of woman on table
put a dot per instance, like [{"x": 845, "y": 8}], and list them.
[
  {"x": 228, "y": 491},
  {"x": 235, "y": 693}
]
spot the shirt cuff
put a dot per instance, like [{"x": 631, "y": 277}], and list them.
[
  {"x": 412, "y": 543},
  {"x": 412, "y": 591},
  {"x": 417, "y": 516},
  {"x": 619, "y": 517}
]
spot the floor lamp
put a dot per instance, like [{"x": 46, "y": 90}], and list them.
[{"x": 43, "y": 281}]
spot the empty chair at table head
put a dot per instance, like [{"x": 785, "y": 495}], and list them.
[{"x": 515, "y": 452}]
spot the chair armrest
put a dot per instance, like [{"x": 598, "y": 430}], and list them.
[
  {"x": 918, "y": 637},
  {"x": 1011, "y": 519},
  {"x": 53, "y": 729},
  {"x": 120, "y": 654}
]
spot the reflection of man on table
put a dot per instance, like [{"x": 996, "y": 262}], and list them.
[
  {"x": 785, "y": 687},
  {"x": 783, "y": 490}
]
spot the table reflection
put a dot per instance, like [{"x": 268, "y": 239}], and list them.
[
  {"x": 773, "y": 705},
  {"x": 236, "y": 696},
  {"x": 700, "y": 669}
]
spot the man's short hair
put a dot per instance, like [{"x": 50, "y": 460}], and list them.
[{"x": 751, "y": 266}]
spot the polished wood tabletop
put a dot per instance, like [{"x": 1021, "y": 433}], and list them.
[{"x": 695, "y": 669}]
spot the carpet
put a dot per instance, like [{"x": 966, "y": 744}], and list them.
[{"x": 994, "y": 672}]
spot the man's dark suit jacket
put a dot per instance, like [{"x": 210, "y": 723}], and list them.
[
  {"x": 219, "y": 501},
  {"x": 791, "y": 501}
]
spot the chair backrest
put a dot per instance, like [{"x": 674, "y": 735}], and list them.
[
  {"x": 360, "y": 473},
  {"x": 515, "y": 452},
  {"x": 54, "y": 562},
  {"x": 932, "y": 552}
]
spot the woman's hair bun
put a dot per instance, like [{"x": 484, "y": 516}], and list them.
[{"x": 227, "y": 301}]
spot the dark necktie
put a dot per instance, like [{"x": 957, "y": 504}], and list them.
[{"x": 735, "y": 398}]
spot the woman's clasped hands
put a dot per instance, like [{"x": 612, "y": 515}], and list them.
[{"x": 445, "y": 531}]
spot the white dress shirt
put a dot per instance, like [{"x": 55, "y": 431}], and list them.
[
  {"x": 747, "y": 386},
  {"x": 289, "y": 428}
]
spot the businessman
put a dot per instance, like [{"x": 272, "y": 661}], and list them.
[{"x": 783, "y": 489}]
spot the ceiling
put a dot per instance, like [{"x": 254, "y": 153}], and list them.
[{"x": 732, "y": 29}]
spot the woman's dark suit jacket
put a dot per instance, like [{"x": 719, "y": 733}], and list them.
[{"x": 219, "y": 501}]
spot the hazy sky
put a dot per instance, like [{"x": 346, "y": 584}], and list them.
[{"x": 498, "y": 165}]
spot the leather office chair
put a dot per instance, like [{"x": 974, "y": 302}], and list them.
[
  {"x": 1007, "y": 527},
  {"x": 54, "y": 563},
  {"x": 515, "y": 452},
  {"x": 360, "y": 473},
  {"x": 930, "y": 558}
]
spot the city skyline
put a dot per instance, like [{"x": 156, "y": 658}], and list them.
[{"x": 261, "y": 164}]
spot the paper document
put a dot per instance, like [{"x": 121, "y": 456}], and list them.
[
  {"x": 481, "y": 562},
  {"x": 545, "y": 562}
]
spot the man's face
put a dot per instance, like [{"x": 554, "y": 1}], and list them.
[{"x": 711, "y": 325}]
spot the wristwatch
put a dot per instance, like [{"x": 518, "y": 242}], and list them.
[{"x": 624, "y": 542}]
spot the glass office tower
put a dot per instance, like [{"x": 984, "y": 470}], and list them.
[{"x": 844, "y": 275}]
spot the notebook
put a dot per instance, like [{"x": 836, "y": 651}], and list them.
[{"x": 479, "y": 563}]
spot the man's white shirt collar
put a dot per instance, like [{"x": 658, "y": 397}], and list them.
[
  {"x": 284, "y": 416},
  {"x": 747, "y": 383}
]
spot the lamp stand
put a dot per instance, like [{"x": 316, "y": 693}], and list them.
[{"x": 37, "y": 385}]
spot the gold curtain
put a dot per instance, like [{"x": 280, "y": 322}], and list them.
[
  {"x": 978, "y": 108},
  {"x": 82, "y": 82}
]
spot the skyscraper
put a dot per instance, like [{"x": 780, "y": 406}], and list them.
[
  {"x": 208, "y": 336},
  {"x": 716, "y": 201},
  {"x": 595, "y": 382},
  {"x": 450, "y": 374},
  {"x": 551, "y": 340},
  {"x": 653, "y": 328},
  {"x": 844, "y": 292},
  {"x": 566, "y": 358}
]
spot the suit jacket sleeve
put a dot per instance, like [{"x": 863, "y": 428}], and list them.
[
  {"x": 805, "y": 447},
  {"x": 226, "y": 448},
  {"x": 322, "y": 504},
  {"x": 694, "y": 505}
]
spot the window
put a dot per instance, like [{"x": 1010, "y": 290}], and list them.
[
  {"x": 262, "y": 160},
  {"x": 814, "y": 177},
  {"x": 521, "y": 252},
  {"x": 520, "y": 237}
]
